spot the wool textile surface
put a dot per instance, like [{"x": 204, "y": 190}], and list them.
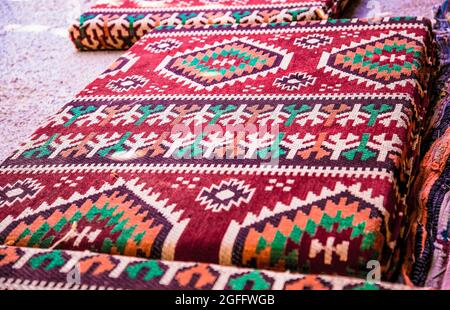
[
  {"x": 31, "y": 268},
  {"x": 282, "y": 147}
]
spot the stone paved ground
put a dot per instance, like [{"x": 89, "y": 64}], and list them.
[{"x": 40, "y": 70}]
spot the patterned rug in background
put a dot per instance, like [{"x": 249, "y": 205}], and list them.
[
  {"x": 432, "y": 263},
  {"x": 118, "y": 24},
  {"x": 29, "y": 268},
  {"x": 284, "y": 147}
]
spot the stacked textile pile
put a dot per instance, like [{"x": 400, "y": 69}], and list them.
[
  {"x": 283, "y": 147},
  {"x": 432, "y": 264},
  {"x": 118, "y": 24}
]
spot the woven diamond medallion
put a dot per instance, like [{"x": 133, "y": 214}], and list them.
[{"x": 224, "y": 63}]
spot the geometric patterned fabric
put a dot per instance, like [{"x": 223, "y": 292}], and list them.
[
  {"x": 282, "y": 147},
  {"x": 431, "y": 233},
  {"x": 118, "y": 24},
  {"x": 29, "y": 268}
]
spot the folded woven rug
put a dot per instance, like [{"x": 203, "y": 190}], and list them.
[
  {"x": 431, "y": 232},
  {"x": 118, "y": 24},
  {"x": 286, "y": 147},
  {"x": 28, "y": 268}
]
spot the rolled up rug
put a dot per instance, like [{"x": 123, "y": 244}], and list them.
[
  {"x": 283, "y": 147},
  {"x": 118, "y": 24},
  {"x": 30, "y": 268}
]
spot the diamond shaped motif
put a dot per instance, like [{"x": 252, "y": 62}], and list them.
[
  {"x": 19, "y": 191},
  {"x": 294, "y": 81},
  {"x": 224, "y": 63},
  {"x": 162, "y": 46},
  {"x": 313, "y": 41},
  {"x": 227, "y": 194},
  {"x": 224, "y": 195},
  {"x": 127, "y": 83},
  {"x": 386, "y": 61}
]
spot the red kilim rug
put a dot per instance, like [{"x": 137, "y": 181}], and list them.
[
  {"x": 29, "y": 268},
  {"x": 118, "y": 24},
  {"x": 283, "y": 147}
]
